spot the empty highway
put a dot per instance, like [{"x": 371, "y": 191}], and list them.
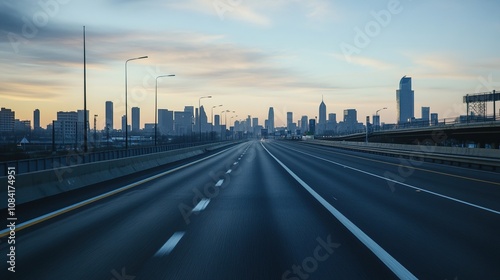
[{"x": 268, "y": 210}]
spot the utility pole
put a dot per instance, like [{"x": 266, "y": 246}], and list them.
[{"x": 95, "y": 131}]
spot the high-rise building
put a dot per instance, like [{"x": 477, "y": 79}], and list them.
[
  {"x": 434, "y": 119},
  {"x": 109, "y": 115},
  {"x": 248, "y": 123},
  {"x": 124, "y": 123},
  {"x": 304, "y": 124},
  {"x": 203, "y": 120},
  {"x": 183, "y": 122},
  {"x": 426, "y": 112},
  {"x": 255, "y": 122},
  {"x": 405, "y": 101},
  {"x": 376, "y": 121},
  {"x": 350, "y": 116},
  {"x": 136, "y": 119},
  {"x": 270, "y": 121},
  {"x": 289, "y": 120},
  {"x": 66, "y": 126},
  {"x": 216, "y": 120},
  {"x": 321, "y": 125},
  {"x": 36, "y": 119},
  {"x": 165, "y": 122},
  {"x": 312, "y": 126},
  {"x": 7, "y": 117}
]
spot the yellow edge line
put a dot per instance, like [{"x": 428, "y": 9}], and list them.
[{"x": 105, "y": 195}]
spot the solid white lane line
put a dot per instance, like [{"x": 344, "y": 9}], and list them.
[
  {"x": 229, "y": 171},
  {"x": 170, "y": 244},
  {"x": 56, "y": 213},
  {"x": 219, "y": 183},
  {"x": 404, "y": 184},
  {"x": 397, "y": 268},
  {"x": 201, "y": 205}
]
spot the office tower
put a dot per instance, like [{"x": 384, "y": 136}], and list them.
[
  {"x": 405, "y": 101},
  {"x": 289, "y": 120},
  {"x": 248, "y": 123},
  {"x": 376, "y": 121},
  {"x": 255, "y": 122},
  {"x": 270, "y": 121},
  {"x": 66, "y": 126},
  {"x": 304, "y": 124},
  {"x": 426, "y": 111},
  {"x": 81, "y": 124},
  {"x": 203, "y": 121},
  {"x": 136, "y": 119},
  {"x": 332, "y": 118},
  {"x": 109, "y": 115},
  {"x": 216, "y": 120},
  {"x": 36, "y": 119},
  {"x": 434, "y": 119},
  {"x": 7, "y": 117},
  {"x": 350, "y": 116},
  {"x": 165, "y": 122},
  {"x": 124, "y": 124},
  {"x": 312, "y": 126},
  {"x": 183, "y": 122},
  {"x": 322, "y": 117}
]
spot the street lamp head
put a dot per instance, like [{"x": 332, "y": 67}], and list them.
[{"x": 142, "y": 57}]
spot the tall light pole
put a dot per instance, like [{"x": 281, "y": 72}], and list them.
[
  {"x": 213, "y": 116},
  {"x": 85, "y": 144},
  {"x": 126, "y": 100},
  {"x": 199, "y": 111},
  {"x": 95, "y": 130},
  {"x": 376, "y": 114},
  {"x": 156, "y": 103}
]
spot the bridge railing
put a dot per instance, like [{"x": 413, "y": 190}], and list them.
[{"x": 79, "y": 157}]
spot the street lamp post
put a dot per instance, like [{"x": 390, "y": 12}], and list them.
[
  {"x": 376, "y": 114},
  {"x": 199, "y": 111},
  {"x": 156, "y": 103},
  {"x": 126, "y": 100}
]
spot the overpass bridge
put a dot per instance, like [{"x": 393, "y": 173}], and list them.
[{"x": 478, "y": 134}]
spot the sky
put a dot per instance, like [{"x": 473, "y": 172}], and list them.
[{"x": 248, "y": 55}]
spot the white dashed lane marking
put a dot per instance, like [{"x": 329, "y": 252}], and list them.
[
  {"x": 170, "y": 244},
  {"x": 201, "y": 205}
]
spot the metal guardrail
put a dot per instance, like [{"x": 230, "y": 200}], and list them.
[
  {"x": 76, "y": 157},
  {"x": 471, "y": 161}
]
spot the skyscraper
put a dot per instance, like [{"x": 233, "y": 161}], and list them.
[
  {"x": 426, "y": 112},
  {"x": 304, "y": 125},
  {"x": 289, "y": 120},
  {"x": 321, "y": 126},
  {"x": 7, "y": 117},
  {"x": 405, "y": 100},
  {"x": 203, "y": 120},
  {"x": 109, "y": 115},
  {"x": 124, "y": 123},
  {"x": 165, "y": 122},
  {"x": 36, "y": 119},
  {"x": 136, "y": 119},
  {"x": 270, "y": 121}
]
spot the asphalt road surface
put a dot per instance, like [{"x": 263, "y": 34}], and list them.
[{"x": 268, "y": 210}]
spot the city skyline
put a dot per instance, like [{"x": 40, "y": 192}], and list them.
[{"x": 43, "y": 61}]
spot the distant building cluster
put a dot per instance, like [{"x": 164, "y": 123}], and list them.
[{"x": 69, "y": 126}]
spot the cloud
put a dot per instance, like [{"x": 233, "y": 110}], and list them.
[{"x": 365, "y": 61}]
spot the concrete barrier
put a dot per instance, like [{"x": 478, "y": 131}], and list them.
[
  {"x": 456, "y": 151},
  {"x": 36, "y": 185}
]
